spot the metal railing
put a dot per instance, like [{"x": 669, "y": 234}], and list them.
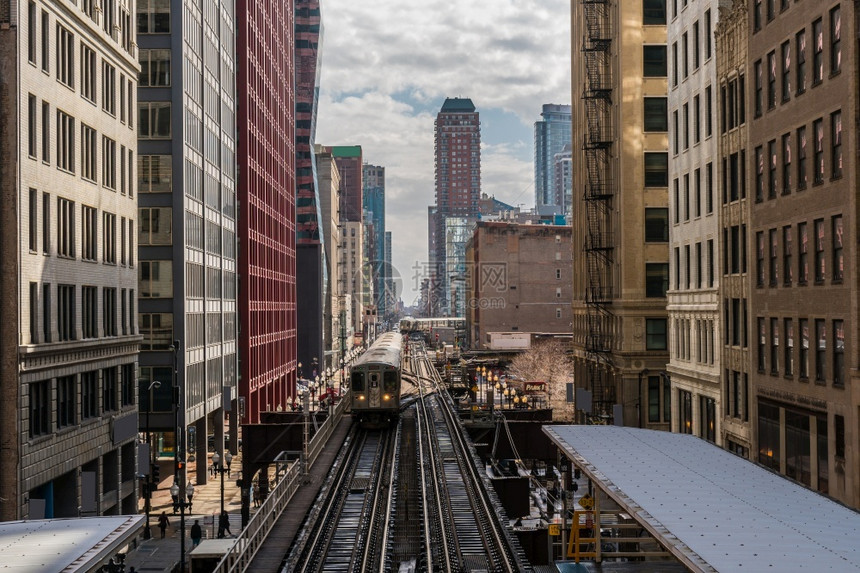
[{"x": 248, "y": 542}]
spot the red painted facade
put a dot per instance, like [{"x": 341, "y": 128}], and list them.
[{"x": 266, "y": 192}]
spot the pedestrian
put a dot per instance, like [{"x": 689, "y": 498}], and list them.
[
  {"x": 255, "y": 492},
  {"x": 224, "y": 525},
  {"x": 163, "y": 523},
  {"x": 196, "y": 533}
]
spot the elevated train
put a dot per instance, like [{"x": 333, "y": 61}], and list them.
[{"x": 375, "y": 382}]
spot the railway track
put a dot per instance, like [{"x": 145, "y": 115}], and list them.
[
  {"x": 461, "y": 513},
  {"x": 352, "y": 531}
]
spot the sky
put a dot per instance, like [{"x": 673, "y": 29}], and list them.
[{"x": 387, "y": 67}]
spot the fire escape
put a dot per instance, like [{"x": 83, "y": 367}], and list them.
[{"x": 599, "y": 195}]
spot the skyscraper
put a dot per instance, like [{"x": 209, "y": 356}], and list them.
[
  {"x": 552, "y": 133},
  {"x": 458, "y": 179},
  {"x": 349, "y": 165},
  {"x": 267, "y": 192},
  {"x": 313, "y": 287},
  {"x": 187, "y": 240},
  {"x": 68, "y": 269}
]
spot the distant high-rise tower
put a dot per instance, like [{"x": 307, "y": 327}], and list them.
[
  {"x": 458, "y": 176},
  {"x": 563, "y": 179},
  {"x": 312, "y": 289},
  {"x": 552, "y": 133},
  {"x": 374, "y": 207}
]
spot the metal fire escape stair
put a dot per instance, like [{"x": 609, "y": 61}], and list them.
[{"x": 599, "y": 194}]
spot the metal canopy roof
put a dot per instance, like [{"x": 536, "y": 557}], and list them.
[
  {"x": 710, "y": 508},
  {"x": 75, "y": 544}
]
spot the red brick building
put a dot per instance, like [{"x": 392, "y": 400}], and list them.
[{"x": 266, "y": 190}]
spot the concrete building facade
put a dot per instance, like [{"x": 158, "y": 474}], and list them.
[
  {"x": 517, "y": 279},
  {"x": 620, "y": 333},
  {"x": 693, "y": 302},
  {"x": 68, "y": 356},
  {"x": 804, "y": 384},
  {"x": 731, "y": 43},
  {"x": 329, "y": 192}
]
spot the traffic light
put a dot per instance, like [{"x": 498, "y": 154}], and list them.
[{"x": 155, "y": 472}]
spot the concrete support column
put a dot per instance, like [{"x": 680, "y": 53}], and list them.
[{"x": 200, "y": 434}]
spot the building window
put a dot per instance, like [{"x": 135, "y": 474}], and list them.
[
  {"x": 156, "y": 279},
  {"x": 803, "y": 254},
  {"x": 820, "y": 350},
  {"x": 109, "y": 390},
  {"x": 66, "y": 401},
  {"x": 762, "y": 341},
  {"x": 656, "y": 114},
  {"x": 65, "y": 56},
  {"x": 800, "y": 66},
  {"x": 686, "y": 196},
  {"x": 774, "y": 265},
  {"x": 89, "y": 153},
  {"x": 157, "y": 330},
  {"x": 771, "y": 12},
  {"x": 656, "y": 169},
  {"x": 835, "y": 41},
  {"x": 686, "y": 114},
  {"x": 771, "y": 80},
  {"x": 654, "y": 61},
  {"x": 89, "y": 312},
  {"x": 771, "y": 179},
  {"x": 774, "y": 346},
  {"x": 88, "y": 73},
  {"x": 839, "y": 434},
  {"x": 685, "y": 51},
  {"x": 154, "y": 174},
  {"x": 820, "y": 264},
  {"x": 817, "y": 52},
  {"x": 32, "y": 126},
  {"x": 696, "y": 56},
  {"x": 109, "y": 311},
  {"x": 787, "y": 263},
  {"x": 803, "y": 363},
  {"x": 154, "y": 68},
  {"x": 687, "y": 269},
  {"x": 758, "y": 88},
  {"x": 655, "y": 334},
  {"x": 109, "y": 237},
  {"x": 708, "y": 418},
  {"x": 89, "y": 232},
  {"x": 789, "y": 347},
  {"x": 656, "y": 280},
  {"x": 156, "y": 226},
  {"x": 656, "y": 225},
  {"x": 108, "y": 162},
  {"x": 838, "y": 353},
  {"x": 785, "y": 76},
  {"x": 697, "y": 120},
  {"x": 40, "y": 418},
  {"x": 759, "y": 173},
  {"x": 836, "y": 144},
  {"x": 685, "y": 412},
  {"x": 31, "y": 32},
  {"x": 154, "y": 120},
  {"x": 786, "y": 164},
  {"x": 127, "y": 388},
  {"x": 153, "y": 17},
  {"x": 89, "y": 392},
  {"x": 65, "y": 142},
  {"x": 838, "y": 257},
  {"x": 654, "y": 12},
  {"x": 769, "y": 435},
  {"x": 46, "y": 132}
]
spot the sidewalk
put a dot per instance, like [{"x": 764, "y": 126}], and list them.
[{"x": 158, "y": 554}]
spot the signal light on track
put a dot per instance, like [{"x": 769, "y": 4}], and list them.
[{"x": 386, "y": 397}]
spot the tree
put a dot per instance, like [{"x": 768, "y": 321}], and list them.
[{"x": 547, "y": 361}]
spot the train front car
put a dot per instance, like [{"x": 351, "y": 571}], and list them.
[{"x": 375, "y": 382}]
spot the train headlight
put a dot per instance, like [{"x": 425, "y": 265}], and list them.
[
  {"x": 361, "y": 397},
  {"x": 386, "y": 397}
]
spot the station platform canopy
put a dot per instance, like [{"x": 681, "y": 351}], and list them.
[
  {"x": 711, "y": 509},
  {"x": 73, "y": 544}
]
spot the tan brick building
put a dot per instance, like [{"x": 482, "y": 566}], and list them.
[
  {"x": 69, "y": 344},
  {"x": 518, "y": 279}
]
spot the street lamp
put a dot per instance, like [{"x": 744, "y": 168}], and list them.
[
  {"x": 147, "y": 532},
  {"x": 219, "y": 468},
  {"x": 300, "y": 370},
  {"x": 182, "y": 504}
]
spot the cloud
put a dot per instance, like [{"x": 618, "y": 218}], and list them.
[{"x": 387, "y": 66}]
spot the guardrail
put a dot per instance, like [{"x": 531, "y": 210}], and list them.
[{"x": 238, "y": 558}]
